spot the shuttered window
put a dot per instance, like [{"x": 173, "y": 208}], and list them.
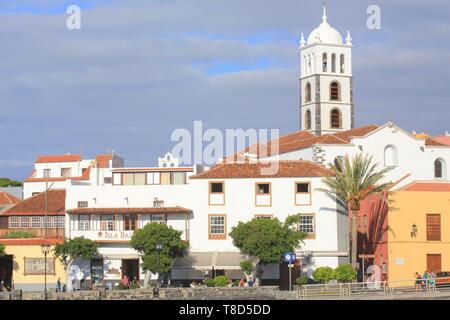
[{"x": 433, "y": 227}]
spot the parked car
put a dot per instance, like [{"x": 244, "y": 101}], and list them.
[{"x": 443, "y": 279}]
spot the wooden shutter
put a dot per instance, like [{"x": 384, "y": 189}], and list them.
[
  {"x": 434, "y": 262},
  {"x": 433, "y": 227}
]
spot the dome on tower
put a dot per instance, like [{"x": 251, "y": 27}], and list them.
[{"x": 325, "y": 33}]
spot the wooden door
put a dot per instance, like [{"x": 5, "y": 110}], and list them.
[{"x": 434, "y": 262}]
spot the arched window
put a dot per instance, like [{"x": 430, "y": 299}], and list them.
[
  {"x": 325, "y": 63},
  {"x": 439, "y": 169},
  {"x": 308, "y": 92},
  {"x": 390, "y": 156},
  {"x": 338, "y": 162},
  {"x": 308, "y": 120},
  {"x": 342, "y": 63},
  {"x": 333, "y": 63},
  {"x": 335, "y": 91},
  {"x": 335, "y": 119}
]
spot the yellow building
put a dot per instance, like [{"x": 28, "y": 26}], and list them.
[
  {"x": 418, "y": 230},
  {"x": 23, "y": 265}
]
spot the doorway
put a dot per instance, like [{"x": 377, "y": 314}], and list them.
[
  {"x": 434, "y": 262},
  {"x": 6, "y": 270},
  {"x": 130, "y": 268}
]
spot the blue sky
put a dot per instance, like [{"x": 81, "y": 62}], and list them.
[{"x": 138, "y": 69}]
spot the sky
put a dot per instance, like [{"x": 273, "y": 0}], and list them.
[{"x": 139, "y": 69}]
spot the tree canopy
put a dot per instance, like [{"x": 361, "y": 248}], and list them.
[
  {"x": 266, "y": 239},
  {"x": 5, "y": 182},
  {"x": 159, "y": 244},
  {"x": 76, "y": 248},
  {"x": 2, "y": 250}
]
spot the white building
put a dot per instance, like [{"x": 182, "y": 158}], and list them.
[{"x": 53, "y": 171}]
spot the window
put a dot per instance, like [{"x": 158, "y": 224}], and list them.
[
  {"x": 390, "y": 156},
  {"x": 129, "y": 222},
  {"x": 178, "y": 178},
  {"x": 324, "y": 63},
  {"x": 107, "y": 222},
  {"x": 308, "y": 92},
  {"x": 165, "y": 178},
  {"x": 25, "y": 222},
  {"x": 14, "y": 222},
  {"x": 47, "y": 222},
  {"x": 439, "y": 169},
  {"x": 333, "y": 63},
  {"x": 216, "y": 187},
  {"x": 307, "y": 224},
  {"x": 335, "y": 119},
  {"x": 36, "y": 222},
  {"x": 263, "y": 188},
  {"x": 308, "y": 120},
  {"x": 433, "y": 227},
  {"x": 217, "y": 227},
  {"x": 82, "y": 204},
  {"x": 34, "y": 194},
  {"x": 335, "y": 94},
  {"x": 66, "y": 172},
  {"x": 47, "y": 173},
  {"x": 59, "y": 222},
  {"x": 342, "y": 63},
  {"x": 107, "y": 180},
  {"x": 133, "y": 179},
  {"x": 338, "y": 162},
  {"x": 158, "y": 218},
  {"x": 302, "y": 187}
]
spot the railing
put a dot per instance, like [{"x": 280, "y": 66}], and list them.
[{"x": 375, "y": 290}]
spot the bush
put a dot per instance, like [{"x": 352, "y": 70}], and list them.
[
  {"x": 345, "y": 273},
  {"x": 19, "y": 234},
  {"x": 219, "y": 281},
  {"x": 134, "y": 286},
  {"x": 302, "y": 280},
  {"x": 324, "y": 274}
]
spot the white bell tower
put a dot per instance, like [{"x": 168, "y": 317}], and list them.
[{"x": 326, "y": 80}]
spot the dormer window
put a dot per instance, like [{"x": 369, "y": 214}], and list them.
[{"x": 47, "y": 173}]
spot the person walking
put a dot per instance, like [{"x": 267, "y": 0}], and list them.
[
  {"x": 58, "y": 285},
  {"x": 418, "y": 278}
]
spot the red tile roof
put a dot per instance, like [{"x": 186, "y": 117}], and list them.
[
  {"x": 286, "y": 169},
  {"x": 433, "y": 142},
  {"x": 127, "y": 210},
  {"x": 64, "y": 158},
  {"x": 36, "y": 205},
  {"x": 427, "y": 187},
  {"x": 6, "y": 198},
  {"x": 30, "y": 241},
  {"x": 301, "y": 140},
  {"x": 443, "y": 139}
]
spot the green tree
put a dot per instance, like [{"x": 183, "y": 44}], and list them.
[
  {"x": 352, "y": 182},
  {"x": 2, "y": 250},
  {"x": 265, "y": 240},
  {"x": 73, "y": 249},
  {"x": 5, "y": 182},
  {"x": 159, "y": 245},
  {"x": 323, "y": 274},
  {"x": 345, "y": 273}
]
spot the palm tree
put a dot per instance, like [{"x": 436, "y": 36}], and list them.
[{"x": 352, "y": 182}]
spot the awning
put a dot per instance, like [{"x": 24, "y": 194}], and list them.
[
  {"x": 121, "y": 256},
  {"x": 208, "y": 260}
]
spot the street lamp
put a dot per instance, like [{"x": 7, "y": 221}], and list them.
[
  {"x": 413, "y": 231},
  {"x": 159, "y": 247},
  {"x": 45, "y": 248}
]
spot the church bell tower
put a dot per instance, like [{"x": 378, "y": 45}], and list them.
[{"x": 326, "y": 80}]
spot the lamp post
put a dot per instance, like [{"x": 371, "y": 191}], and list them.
[
  {"x": 45, "y": 248},
  {"x": 159, "y": 247}
]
